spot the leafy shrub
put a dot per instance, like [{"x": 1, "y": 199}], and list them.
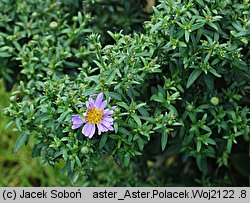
[
  {"x": 41, "y": 37},
  {"x": 180, "y": 90},
  {"x": 205, "y": 43}
]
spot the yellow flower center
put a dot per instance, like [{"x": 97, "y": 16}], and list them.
[{"x": 94, "y": 115}]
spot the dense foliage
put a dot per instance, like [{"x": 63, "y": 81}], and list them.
[
  {"x": 180, "y": 88},
  {"x": 37, "y": 37}
]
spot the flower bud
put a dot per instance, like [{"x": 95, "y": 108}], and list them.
[
  {"x": 36, "y": 37},
  {"x": 84, "y": 150},
  {"x": 214, "y": 101},
  {"x": 130, "y": 76},
  {"x": 88, "y": 15},
  {"x": 13, "y": 98},
  {"x": 49, "y": 72},
  {"x": 75, "y": 18},
  {"x": 85, "y": 64},
  {"x": 189, "y": 107},
  {"x": 53, "y": 25},
  {"x": 117, "y": 110},
  {"x": 34, "y": 14},
  {"x": 6, "y": 112},
  {"x": 11, "y": 49}
]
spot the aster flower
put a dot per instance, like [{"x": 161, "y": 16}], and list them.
[{"x": 96, "y": 116}]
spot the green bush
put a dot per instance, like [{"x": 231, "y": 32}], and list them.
[
  {"x": 203, "y": 48},
  {"x": 42, "y": 37},
  {"x": 180, "y": 90}
]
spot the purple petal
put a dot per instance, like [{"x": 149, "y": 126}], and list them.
[
  {"x": 77, "y": 119},
  {"x": 100, "y": 128},
  {"x": 111, "y": 128},
  {"x": 108, "y": 119},
  {"x": 98, "y": 100},
  {"x": 79, "y": 105},
  {"x": 105, "y": 123},
  {"x": 91, "y": 103},
  {"x": 107, "y": 112},
  {"x": 75, "y": 126},
  {"x": 114, "y": 107},
  {"x": 88, "y": 130},
  {"x": 73, "y": 116},
  {"x": 103, "y": 104},
  {"x": 105, "y": 129},
  {"x": 87, "y": 104}
]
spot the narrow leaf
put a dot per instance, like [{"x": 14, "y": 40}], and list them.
[
  {"x": 193, "y": 76},
  {"x": 21, "y": 140},
  {"x": 103, "y": 141},
  {"x": 164, "y": 140}
]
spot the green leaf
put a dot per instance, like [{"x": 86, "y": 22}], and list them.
[
  {"x": 237, "y": 26},
  {"x": 193, "y": 76},
  {"x": 115, "y": 96},
  {"x": 206, "y": 128},
  {"x": 187, "y": 35},
  {"x": 65, "y": 154},
  {"x": 209, "y": 81},
  {"x": 182, "y": 44},
  {"x": 111, "y": 76},
  {"x": 202, "y": 164},
  {"x": 78, "y": 162},
  {"x": 36, "y": 150},
  {"x": 229, "y": 145},
  {"x": 198, "y": 145},
  {"x": 137, "y": 119},
  {"x": 215, "y": 61},
  {"x": 124, "y": 131},
  {"x": 73, "y": 177},
  {"x": 88, "y": 92},
  {"x": 103, "y": 141},
  {"x": 79, "y": 14},
  {"x": 207, "y": 58},
  {"x": 164, "y": 140},
  {"x": 158, "y": 126},
  {"x": 214, "y": 72},
  {"x": 211, "y": 141},
  {"x": 140, "y": 105},
  {"x": 198, "y": 26},
  {"x": 18, "y": 124},
  {"x": 242, "y": 33},
  {"x": 70, "y": 64},
  {"x": 5, "y": 55},
  {"x": 158, "y": 97},
  {"x": 140, "y": 143},
  {"x": 63, "y": 116},
  {"x": 8, "y": 125},
  {"x": 21, "y": 140},
  {"x": 149, "y": 119},
  {"x": 124, "y": 105},
  {"x": 116, "y": 127},
  {"x": 201, "y": 2},
  {"x": 126, "y": 159},
  {"x": 213, "y": 25},
  {"x": 143, "y": 112}
]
